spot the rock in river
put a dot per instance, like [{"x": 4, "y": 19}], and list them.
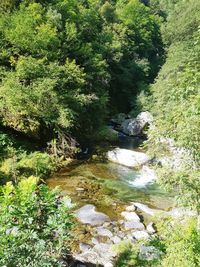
[
  {"x": 133, "y": 225},
  {"x": 127, "y": 157},
  {"x": 88, "y": 215},
  {"x": 135, "y": 127},
  {"x": 103, "y": 232},
  {"x": 130, "y": 216},
  {"x": 147, "y": 210}
]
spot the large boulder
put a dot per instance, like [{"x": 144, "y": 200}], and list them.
[
  {"x": 88, "y": 215},
  {"x": 136, "y": 127},
  {"x": 127, "y": 157}
]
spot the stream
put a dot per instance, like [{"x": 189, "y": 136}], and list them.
[
  {"x": 110, "y": 186},
  {"x": 103, "y": 193}
]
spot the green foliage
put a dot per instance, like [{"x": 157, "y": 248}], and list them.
[
  {"x": 186, "y": 183},
  {"x": 36, "y": 163},
  {"x": 40, "y": 94},
  {"x": 182, "y": 22},
  {"x": 182, "y": 242},
  {"x": 175, "y": 97},
  {"x": 6, "y": 143},
  {"x": 34, "y": 225},
  {"x": 163, "y": 7},
  {"x": 141, "y": 55},
  {"x": 28, "y": 30},
  {"x": 61, "y": 62},
  {"x": 8, "y": 5},
  {"x": 128, "y": 256},
  {"x": 107, "y": 134}
]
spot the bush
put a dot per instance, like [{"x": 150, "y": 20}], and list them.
[
  {"x": 182, "y": 242},
  {"x": 36, "y": 163},
  {"x": 179, "y": 244},
  {"x": 35, "y": 225},
  {"x": 106, "y": 134},
  {"x": 6, "y": 143},
  {"x": 129, "y": 256}
]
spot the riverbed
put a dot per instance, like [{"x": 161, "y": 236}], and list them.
[{"x": 108, "y": 186}]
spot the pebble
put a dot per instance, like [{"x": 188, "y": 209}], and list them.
[
  {"x": 94, "y": 241},
  {"x": 121, "y": 235},
  {"x": 106, "y": 224}
]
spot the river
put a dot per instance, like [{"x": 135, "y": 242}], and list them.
[{"x": 110, "y": 186}]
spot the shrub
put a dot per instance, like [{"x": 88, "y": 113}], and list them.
[
  {"x": 35, "y": 225},
  {"x": 182, "y": 242},
  {"x": 129, "y": 255},
  {"x": 36, "y": 163}
]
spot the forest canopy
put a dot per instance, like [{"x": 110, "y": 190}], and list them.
[{"x": 68, "y": 64}]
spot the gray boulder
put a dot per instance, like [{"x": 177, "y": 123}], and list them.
[
  {"x": 130, "y": 216},
  {"x": 127, "y": 157},
  {"x": 103, "y": 232},
  {"x": 144, "y": 208},
  {"x": 116, "y": 239},
  {"x": 133, "y": 225},
  {"x": 136, "y": 127},
  {"x": 88, "y": 215}
]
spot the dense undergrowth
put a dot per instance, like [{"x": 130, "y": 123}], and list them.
[{"x": 35, "y": 225}]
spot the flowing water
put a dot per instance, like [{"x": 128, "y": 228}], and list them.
[{"x": 110, "y": 186}]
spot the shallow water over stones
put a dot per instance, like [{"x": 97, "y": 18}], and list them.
[{"x": 108, "y": 186}]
